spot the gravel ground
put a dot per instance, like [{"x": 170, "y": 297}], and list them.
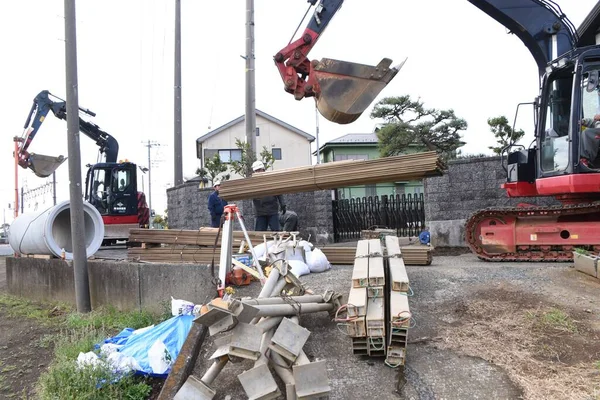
[{"x": 440, "y": 292}]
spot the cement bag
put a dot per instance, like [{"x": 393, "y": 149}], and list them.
[
  {"x": 159, "y": 346},
  {"x": 260, "y": 250},
  {"x": 295, "y": 253},
  {"x": 298, "y": 268},
  {"x": 317, "y": 261},
  {"x": 308, "y": 246}
]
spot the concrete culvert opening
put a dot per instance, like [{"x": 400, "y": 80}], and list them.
[{"x": 49, "y": 231}]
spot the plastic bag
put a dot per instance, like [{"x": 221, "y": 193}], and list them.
[
  {"x": 317, "y": 261},
  {"x": 171, "y": 333},
  {"x": 181, "y": 307},
  {"x": 298, "y": 268},
  {"x": 159, "y": 358}
]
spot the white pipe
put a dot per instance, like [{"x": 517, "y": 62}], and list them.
[{"x": 49, "y": 231}]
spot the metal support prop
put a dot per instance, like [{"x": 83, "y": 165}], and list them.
[
  {"x": 214, "y": 370},
  {"x": 314, "y": 298},
  {"x": 278, "y": 310}
]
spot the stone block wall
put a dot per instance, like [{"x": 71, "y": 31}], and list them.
[
  {"x": 467, "y": 186},
  {"x": 188, "y": 209}
]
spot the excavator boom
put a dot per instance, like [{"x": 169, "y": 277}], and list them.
[{"x": 343, "y": 90}]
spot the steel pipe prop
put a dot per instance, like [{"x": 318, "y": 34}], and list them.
[
  {"x": 278, "y": 310},
  {"x": 313, "y": 298},
  {"x": 49, "y": 231}
]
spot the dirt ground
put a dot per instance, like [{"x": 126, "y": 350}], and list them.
[{"x": 483, "y": 330}]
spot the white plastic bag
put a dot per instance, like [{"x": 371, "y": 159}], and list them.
[
  {"x": 308, "y": 246},
  {"x": 181, "y": 307},
  {"x": 317, "y": 261},
  {"x": 298, "y": 268},
  {"x": 159, "y": 358}
]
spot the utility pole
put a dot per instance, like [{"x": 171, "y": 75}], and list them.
[
  {"x": 82, "y": 288},
  {"x": 178, "y": 131},
  {"x": 54, "y": 188},
  {"x": 16, "y": 154},
  {"x": 149, "y": 144},
  {"x": 250, "y": 85},
  {"x": 317, "y": 132}
]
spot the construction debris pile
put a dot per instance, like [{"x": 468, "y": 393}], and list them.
[
  {"x": 378, "y": 314},
  {"x": 265, "y": 331},
  {"x": 333, "y": 175},
  {"x": 413, "y": 254}
]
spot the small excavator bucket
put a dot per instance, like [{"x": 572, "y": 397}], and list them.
[
  {"x": 44, "y": 166},
  {"x": 347, "y": 88}
]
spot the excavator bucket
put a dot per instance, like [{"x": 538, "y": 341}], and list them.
[
  {"x": 347, "y": 89},
  {"x": 44, "y": 166}
]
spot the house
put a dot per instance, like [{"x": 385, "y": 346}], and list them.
[
  {"x": 289, "y": 145},
  {"x": 363, "y": 146}
]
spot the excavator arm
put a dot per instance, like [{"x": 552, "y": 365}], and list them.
[
  {"x": 343, "y": 90},
  {"x": 43, "y": 165}
]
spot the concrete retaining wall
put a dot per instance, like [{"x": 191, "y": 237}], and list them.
[
  {"x": 467, "y": 186},
  {"x": 187, "y": 205},
  {"x": 124, "y": 285}
]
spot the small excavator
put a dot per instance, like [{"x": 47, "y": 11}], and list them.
[
  {"x": 563, "y": 160},
  {"x": 110, "y": 186}
]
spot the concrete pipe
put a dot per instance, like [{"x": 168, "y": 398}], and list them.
[{"x": 49, "y": 231}]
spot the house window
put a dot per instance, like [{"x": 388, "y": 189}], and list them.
[
  {"x": 226, "y": 155},
  {"x": 276, "y": 153},
  {"x": 257, "y": 131},
  {"x": 343, "y": 157}
]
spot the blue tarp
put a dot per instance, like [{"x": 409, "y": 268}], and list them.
[{"x": 172, "y": 333}]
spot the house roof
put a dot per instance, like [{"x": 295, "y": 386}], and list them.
[
  {"x": 263, "y": 114},
  {"x": 351, "y": 139}
]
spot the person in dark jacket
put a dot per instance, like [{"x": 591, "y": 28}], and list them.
[
  {"x": 216, "y": 205},
  {"x": 288, "y": 221},
  {"x": 266, "y": 208}
]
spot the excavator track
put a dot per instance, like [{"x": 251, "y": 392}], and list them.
[{"x": 539, "y": 254}]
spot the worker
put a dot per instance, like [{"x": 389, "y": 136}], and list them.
[
  {"x": 122, "y": 185},
  {"x": 590, "y": 141},
  {"x": 288, "y": 221},
  {"x": 265, "y": 208},
  {"x": 216, "y": 205}
]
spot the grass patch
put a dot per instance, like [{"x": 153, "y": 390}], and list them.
[
  {"x": 597, "y": 365},
  {"x": 79, "y": 333},
  {"x": 20, "y": 307},
  {"x": 111, "y": 319},
  {"x": 559, "y": 320}
]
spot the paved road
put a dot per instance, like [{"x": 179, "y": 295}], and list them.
[{"x": 5, "y": 250}]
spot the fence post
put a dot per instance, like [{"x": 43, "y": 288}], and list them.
[{"x": 384, "y": 211}]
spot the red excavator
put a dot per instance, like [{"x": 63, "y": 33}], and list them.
[
  {"x": 562, "y": 162},
  {"x": 110, "y": 186}
]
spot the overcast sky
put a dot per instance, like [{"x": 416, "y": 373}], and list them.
[{"x": 458, "y": 58}]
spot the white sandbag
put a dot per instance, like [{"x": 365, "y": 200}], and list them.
[
  {"x": 308, "y": 246},
  {"x": 298, "y": 268},
  {"x": 260, "y": 250},
  {"x": 297, "y": 253},
  {"x": 317, "y": 261}
]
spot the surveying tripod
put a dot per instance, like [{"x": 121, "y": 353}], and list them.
[{"x": 229, "y": 213}]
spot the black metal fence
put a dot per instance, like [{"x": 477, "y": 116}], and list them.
[{"x": 405, "y": 213}]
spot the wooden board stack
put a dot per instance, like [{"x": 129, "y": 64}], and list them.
[
  {"x": 333, "y": 175},
  {"x": 179, "y": 245},
  {"x": 412, "y": 254},
  {"x": 377, "y": 306}
]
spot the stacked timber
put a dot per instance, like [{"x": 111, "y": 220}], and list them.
[
  {"x": 412, "y": 255},
  {"x": 334, "y": 175},
  {"x": 179, "y": 245}
]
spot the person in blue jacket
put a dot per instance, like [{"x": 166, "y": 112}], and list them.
[{"x": 216, "y": 205}]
